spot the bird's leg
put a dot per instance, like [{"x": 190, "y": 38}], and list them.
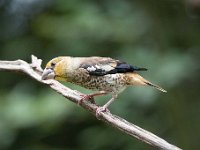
[
  {"x": 90, "y": 97},
  {"x": 105, "y": 106}
]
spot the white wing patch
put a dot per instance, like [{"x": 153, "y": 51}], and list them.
[
  {"x": 92, "y": 68},
  {"x": 107, "y": 67},
  {"x": 97, "y": 67}
]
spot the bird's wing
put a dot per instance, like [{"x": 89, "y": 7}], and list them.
[{"x": 100, "y": 66}]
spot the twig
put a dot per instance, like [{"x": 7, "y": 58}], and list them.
[{"x": 34, "y": 70}]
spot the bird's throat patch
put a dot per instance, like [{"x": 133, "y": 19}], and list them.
[{"x": 60, "y": 78}]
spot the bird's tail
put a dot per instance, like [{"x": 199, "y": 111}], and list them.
[{"x": 136, "y": 79}]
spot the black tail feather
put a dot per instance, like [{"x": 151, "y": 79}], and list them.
[
  {"x": 123, "y": 67},
  {"x": 139, "y": 69}
]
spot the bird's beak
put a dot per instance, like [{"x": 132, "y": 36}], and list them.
[{"x": 48, "y": 73}]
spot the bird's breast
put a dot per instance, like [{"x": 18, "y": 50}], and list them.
[{"x": 109, "y": 83}]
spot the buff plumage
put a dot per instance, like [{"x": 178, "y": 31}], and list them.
[{"x": 102, "y": 74}]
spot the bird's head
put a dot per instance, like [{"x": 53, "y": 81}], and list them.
[{"x": 55, "y": 69}]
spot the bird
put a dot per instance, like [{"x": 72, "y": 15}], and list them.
[{"x": 101, "y": 74}]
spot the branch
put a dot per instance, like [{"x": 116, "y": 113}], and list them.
[{"x": 34, "y": 70}]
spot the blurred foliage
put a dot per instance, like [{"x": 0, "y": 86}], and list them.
[{"x": 160, "y": 35}]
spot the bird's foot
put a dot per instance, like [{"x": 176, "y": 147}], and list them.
[
  {"x": 87, "y": 97},
  {"x": 90, "y": 97},
  {"x": 99, "y": 110}
]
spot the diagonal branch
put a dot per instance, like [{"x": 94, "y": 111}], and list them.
[{"x": 34, "y": 70}]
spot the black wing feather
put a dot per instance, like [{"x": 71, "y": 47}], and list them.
[
  {"x": 123, "y": 67},
  {"x": 120, "y": 67}
]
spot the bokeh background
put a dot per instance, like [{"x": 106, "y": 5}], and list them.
[{"x": 163, "y": 36}]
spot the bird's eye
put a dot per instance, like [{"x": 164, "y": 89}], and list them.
[{"x": 53, "y": 64}]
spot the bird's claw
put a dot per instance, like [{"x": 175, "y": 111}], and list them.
[
  {"x": 87, "y": 97},
  {"x": 99, "y": 110}
]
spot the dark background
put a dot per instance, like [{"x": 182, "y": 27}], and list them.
[{"x": 163, "y": 36}]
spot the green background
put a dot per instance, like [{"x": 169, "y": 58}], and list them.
[{"x": 163, "y": 36}]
